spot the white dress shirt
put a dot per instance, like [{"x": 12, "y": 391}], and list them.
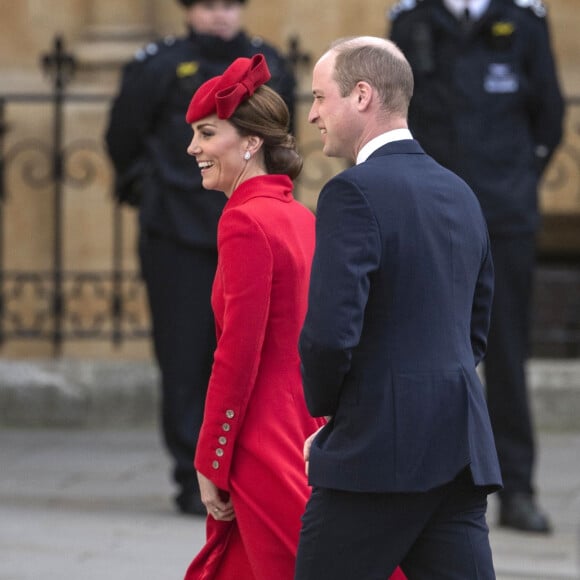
[
  {"x": 369, "y": 148},
  {"x": 457, "y": 8}
]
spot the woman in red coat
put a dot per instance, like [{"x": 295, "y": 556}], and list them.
[{"x": 249, "y": 455}]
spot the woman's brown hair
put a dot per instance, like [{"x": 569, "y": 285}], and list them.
[{"x": 266, "y": 115}]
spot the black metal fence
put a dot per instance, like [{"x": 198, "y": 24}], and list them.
[{"x": 49, "y": 304}]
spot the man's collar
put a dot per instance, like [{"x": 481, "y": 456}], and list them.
[
  {"x": 369, "y": 148},
  {"x": 476, "y": 8}
]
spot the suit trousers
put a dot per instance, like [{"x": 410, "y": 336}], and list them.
[
  {"x": 440, "y": 534},
  {"x": 179, "y": 279},
  {"x": 504, "y": 363}
]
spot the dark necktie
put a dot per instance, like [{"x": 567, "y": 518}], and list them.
[{"x": 466, "y": 21}]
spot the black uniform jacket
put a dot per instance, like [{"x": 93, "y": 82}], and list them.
[
  {"x": 487, "y": 104},
  {"x": 147, "y": 136}
]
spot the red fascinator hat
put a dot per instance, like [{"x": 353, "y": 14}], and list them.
[{"x": 223, "y": 94}]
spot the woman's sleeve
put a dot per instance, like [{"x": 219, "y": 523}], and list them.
[{"x": 245, "y": 267}]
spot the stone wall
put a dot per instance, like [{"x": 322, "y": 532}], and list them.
[
  {"x": 27, "y": 28},
  {"x": 103, "y": 34}
]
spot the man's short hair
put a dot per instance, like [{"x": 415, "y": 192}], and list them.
[{"x": 381, "y": 65}]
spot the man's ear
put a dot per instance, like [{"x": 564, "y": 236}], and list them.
[{"x": 364, "y": 94}]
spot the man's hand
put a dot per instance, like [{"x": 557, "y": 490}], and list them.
[
  {"x": 211, "y": 496},
  {"x": 307, "y": 445}
]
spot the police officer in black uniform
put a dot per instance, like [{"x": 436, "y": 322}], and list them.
[
  {"x": 147, "y": 140},
  {"x": 487, "y": 105}
]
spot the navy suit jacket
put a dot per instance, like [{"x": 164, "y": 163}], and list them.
[{"x": 399, "y": 305}]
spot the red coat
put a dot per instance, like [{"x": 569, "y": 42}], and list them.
[{"x": 255, "y": 419}]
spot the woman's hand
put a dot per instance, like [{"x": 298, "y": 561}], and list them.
[{"x": 211, "y": 496}]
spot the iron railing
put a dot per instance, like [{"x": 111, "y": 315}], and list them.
[{"x": 50, "y": 304}]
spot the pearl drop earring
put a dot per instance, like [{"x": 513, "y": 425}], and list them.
[{"x": 247, "y": 155}]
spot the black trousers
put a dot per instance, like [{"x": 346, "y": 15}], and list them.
[
  {"x": 179, "y": 279},
  {"x": 441, "y": 534},
  {"x": 504, "y": 363}
]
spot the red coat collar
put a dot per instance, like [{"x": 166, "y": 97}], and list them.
[{"x": 275, "y": 186}]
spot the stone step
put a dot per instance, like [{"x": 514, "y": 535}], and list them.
[{"x": 105, "y": 393}]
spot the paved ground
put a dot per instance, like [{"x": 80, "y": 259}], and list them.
[{"x": 95, "y": 504}]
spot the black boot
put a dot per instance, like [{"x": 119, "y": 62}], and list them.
[{"x": 519, "y": 511}]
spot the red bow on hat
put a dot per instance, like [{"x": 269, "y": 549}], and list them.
[{"x": 223, "y": 94}]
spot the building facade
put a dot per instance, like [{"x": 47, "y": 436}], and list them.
[{"x": 69, "y": 279}]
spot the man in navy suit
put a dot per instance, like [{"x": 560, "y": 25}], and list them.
[{"x": 399, "y": 308}]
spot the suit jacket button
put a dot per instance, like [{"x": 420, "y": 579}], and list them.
[
  {"x": 222, "y": 440},
  {"x": 230, "y": 414},
  {"x": 215, "y": 464}
]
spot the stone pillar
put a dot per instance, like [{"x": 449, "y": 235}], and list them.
[
  {"x": 119, "y": 13},
  {"x": 112, "y": 33}
]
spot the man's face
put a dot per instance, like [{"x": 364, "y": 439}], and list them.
[
  {"x": 222, "y": 18},
  {"x": 333, "y": 114}
]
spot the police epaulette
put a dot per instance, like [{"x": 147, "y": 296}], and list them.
[
  {"x": 256, "y": 41},
  {"x": 403, "y": 6},
  {"x": 154, "y": 48},
  {"x": 536, "y": 6}
]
